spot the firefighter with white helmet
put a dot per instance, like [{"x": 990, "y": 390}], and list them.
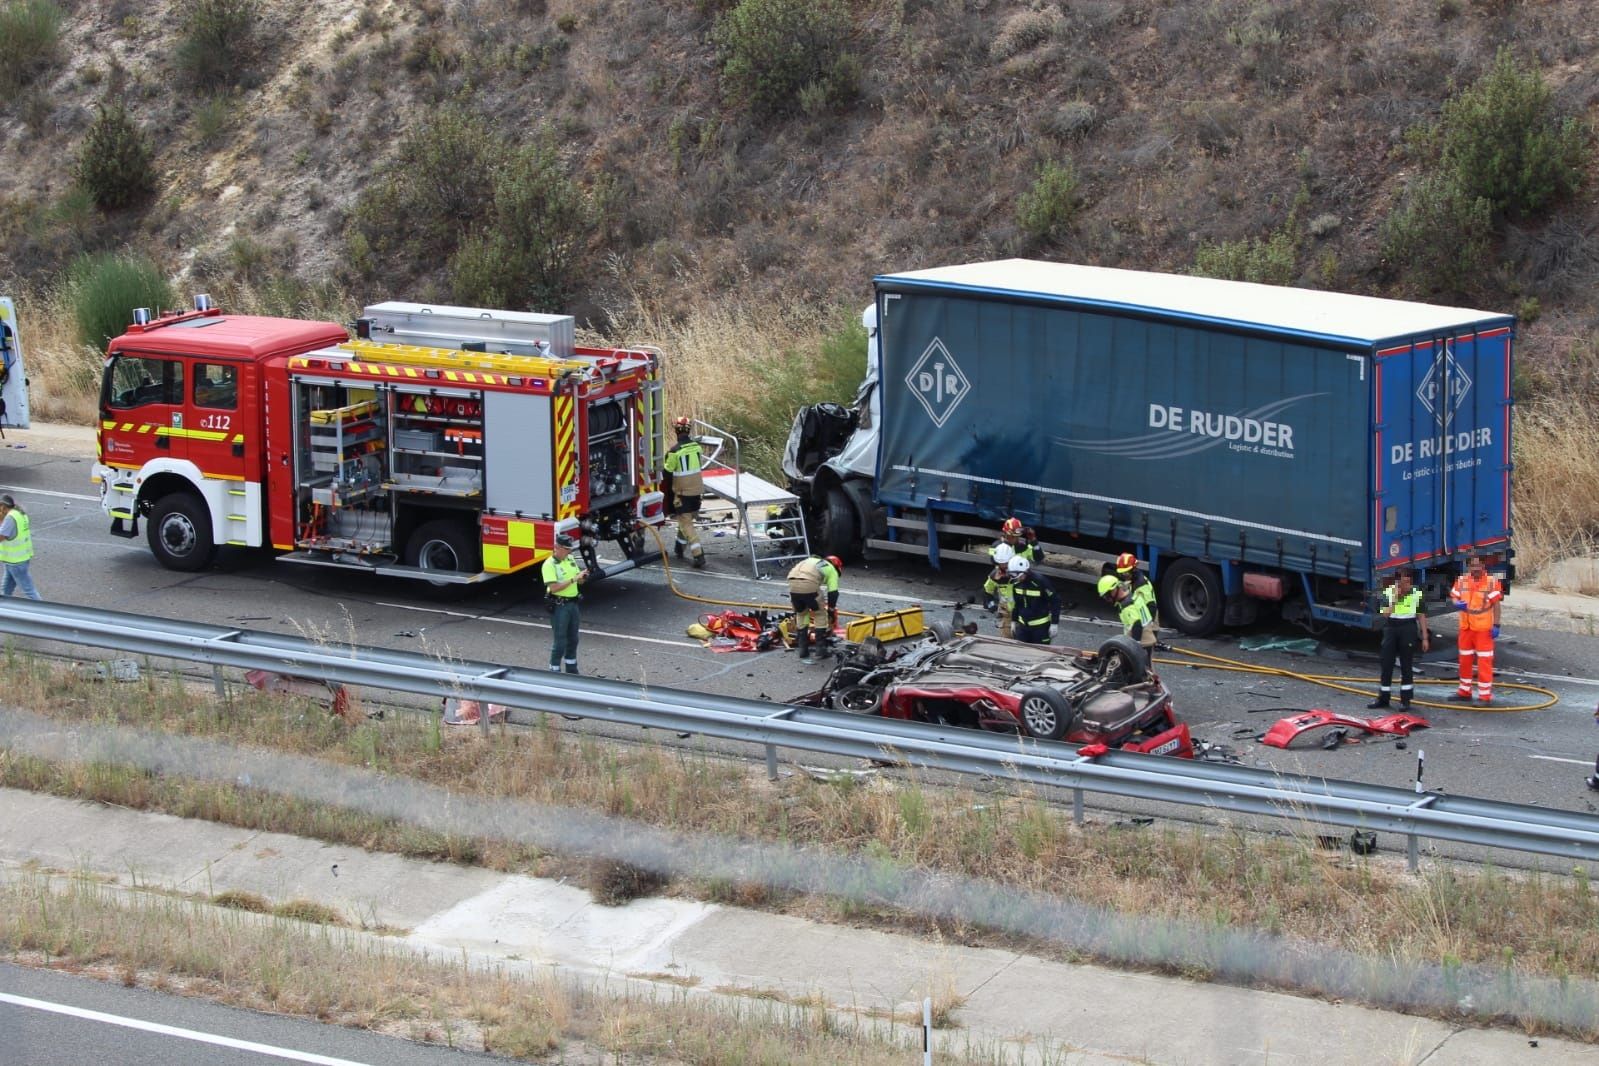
[
  {"x": 1035, "y": 605},
  {"x": 684, "y": 487},
  {"x": 997, "y": 587}
]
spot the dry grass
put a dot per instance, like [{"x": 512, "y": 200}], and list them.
[
  {"x": 350, "y": 979},
  {"x": 1556, "y": 479},
  {"x": 1276, "y": 886}
]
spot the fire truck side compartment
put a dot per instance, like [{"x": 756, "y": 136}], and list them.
[{"x": 516, "y": 426}]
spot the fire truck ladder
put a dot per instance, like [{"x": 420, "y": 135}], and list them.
[{"x": 769, "y": 518}]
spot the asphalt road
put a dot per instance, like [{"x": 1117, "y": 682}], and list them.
[
  {"x": 633, "y": 628},
  {"x": 56, "y": 1019}
]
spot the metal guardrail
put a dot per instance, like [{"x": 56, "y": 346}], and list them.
[{"x": 1220, "y": 787}]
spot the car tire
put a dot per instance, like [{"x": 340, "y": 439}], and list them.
[
  {"x": 1045, "y": 713},
  {"x": 941, "y": 632},
  {"x": 1122, "y": 661},
  {"x": 858, "y": 699},
  {"x": 1191, "y": 597},
  {"x": 179, "y": 533}
]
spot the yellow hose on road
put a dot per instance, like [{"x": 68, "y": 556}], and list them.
[
  {"x": 1211, "y": 662},
  {"x": 1342, "y": 683},
  {"x": 671, "y": 583}
]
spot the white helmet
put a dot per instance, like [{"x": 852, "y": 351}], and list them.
[
  {"x": 1018, "y": 566},
  {"x": 1003, "y": 553}
]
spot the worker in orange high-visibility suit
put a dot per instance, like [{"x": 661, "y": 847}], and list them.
[{"x": 1477, "y": 595}]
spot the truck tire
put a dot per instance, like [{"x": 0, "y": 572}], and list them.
[
  {"x": 1191, "y": 597},
  {"x": 837, "y": 531},
  {"x": 1122, "y": 661},
  {"x": 179, "y": 532},
  {"x": 1045, "y": 712},
  {"x": 443, "y": 544}
]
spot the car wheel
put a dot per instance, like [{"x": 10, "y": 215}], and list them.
[
  {"x": 445, "y": 546},
  {"x": 1121, "y": 661},
  {"x": 941, "y": 632},
  {"x": 858, "y": 699},
  {"x": 1045, "y": 712},
  {"x": 180, "y": 533},
  {"x": 1192, "y": 597},
  {"x": 838, "y": 534}
]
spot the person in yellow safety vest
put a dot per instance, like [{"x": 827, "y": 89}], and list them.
[
  {"x": 562, "y": 578},
  {"x": 1133, "y": 610},
  {"x": 998, "y": 587},
  {"x": 1035, "y": 606},
  {"x": 684, "y": 487},
  {"x": 1405, "y": 611},
  {"x": 1021, "y": 540},
  {"x": 16, "y": 549},
  {"x": 806, "y": 583},
  {"x": 1142, "y": 591},
  {"x": 1477, "y": 595}
]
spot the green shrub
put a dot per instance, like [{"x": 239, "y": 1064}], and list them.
[
  {"x": 772, "y": 51},
  {"x": 212, "y": 117},
  {"x": 104, "y": 289},
  {"x": 1440, "y": 236},
  {"x": 115, "y": 163},
  {"x": 529, "y": 252},
  {"x": 30, "y": 41},
  {"x": 440, "y": 187},
  {"x": 1272, "y": 260},
  {"x": 1047, "y": 210},
  {"x": 218, "y": 46},
  {"x": 1502, "y": 141}
]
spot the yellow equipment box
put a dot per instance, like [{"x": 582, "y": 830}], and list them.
[{"x": 890, "y": 625}]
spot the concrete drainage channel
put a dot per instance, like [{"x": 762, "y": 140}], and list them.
[{"x": 1215, "y": 786}]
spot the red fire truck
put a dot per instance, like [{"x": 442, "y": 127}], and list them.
[{"x": 449, "y": 444}]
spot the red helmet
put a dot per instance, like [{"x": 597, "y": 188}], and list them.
[
  {"x": 1011, "y": 526},
  {"x": 1126, "y": 561},
  {"x": 838, "y": 564},
  {"x": 683, "y": 423}
]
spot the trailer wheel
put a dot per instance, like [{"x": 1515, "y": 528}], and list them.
[
  {"x": 1046, "y": 713},
  {"x": 442, "y": 545},
  {"x": 837, "y": 532},
  {"x": 180, "y": 532},
  {"x": 1192, "y": 597}
]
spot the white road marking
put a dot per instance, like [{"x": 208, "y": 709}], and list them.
[
  {"x": 1553, "y": 677},
  {"x": 182, "y": 1034},
  {"x": 493, "y": 619},
  {"x": 1556, "y": 758},
  {"x": 24, "y": 491}
]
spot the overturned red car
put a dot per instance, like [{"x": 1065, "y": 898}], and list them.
[{"x": 1108, "y": 696}]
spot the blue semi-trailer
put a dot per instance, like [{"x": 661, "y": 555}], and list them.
[{"x": 1253, "y": 443}]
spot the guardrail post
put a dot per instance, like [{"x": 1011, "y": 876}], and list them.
[
  {"x": 771, "y": 762},
  {"x": 1077, "y": 806},
  {"x": 1413, "y": 852},
  {"x": 220, "y": 683}
]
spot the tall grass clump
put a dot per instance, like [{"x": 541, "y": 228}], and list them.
[
  {"x": 30, "y": 42},
  {"x": 747, "y": 370},
  {"x": 218, "y": 46},
  {"x": 1269, "y": 260},
  {"x": 104, "y": 289},
  {"x": 116, "y": 164},
  {"x": 783, "y": 56},
  {"x": 1500, "y": 150}
]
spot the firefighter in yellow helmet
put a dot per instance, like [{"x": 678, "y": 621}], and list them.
[
  {"x": 1142, "y": 592},
  {"x": 684, "y": 487}
]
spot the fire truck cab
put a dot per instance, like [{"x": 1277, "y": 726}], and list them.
[{"x": 447, "y": 444}]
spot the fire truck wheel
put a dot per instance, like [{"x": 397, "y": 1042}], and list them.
[
  {"x": 443, "y": 545},
  {"x": 180, "y": 532}
]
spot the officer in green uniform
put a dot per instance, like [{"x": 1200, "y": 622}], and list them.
[
  {"x": 562, "y": 578},
  {"x": 1405, "y": 620},
  {"x": 16, "y": 549}
]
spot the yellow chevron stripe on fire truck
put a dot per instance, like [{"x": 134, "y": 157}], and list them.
[
  {"x": 561, "y": 406},
  {"x": 171, "y": 431}
]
